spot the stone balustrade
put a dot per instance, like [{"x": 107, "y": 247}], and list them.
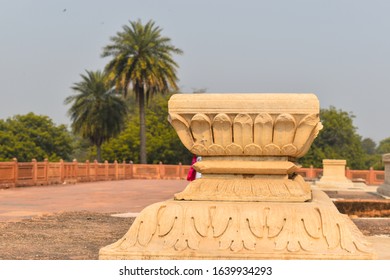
[{"x": 14, "y": 173}]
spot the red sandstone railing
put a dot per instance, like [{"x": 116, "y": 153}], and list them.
[
  {"x": 18, "y": 174},
  {"x": 15, "y": 174},
  {"x": 370, "y": 177}
]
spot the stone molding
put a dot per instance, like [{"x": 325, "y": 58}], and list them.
[
  {"x": 245, "y": 125},
  {"x": 237, "y": 188}
]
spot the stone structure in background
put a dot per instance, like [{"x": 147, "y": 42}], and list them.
[
  {"x": 384, "y": 189},
  {"x": 249, "y": 203},
  {"x": 334, "y": 174}
]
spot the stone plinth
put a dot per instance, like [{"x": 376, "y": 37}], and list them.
[
  {"x": 384, "y": 189},
  {"x": 241, "y": 230},
  {"x": 334, "y": 174},
  {"x": 250, "y": 203}
]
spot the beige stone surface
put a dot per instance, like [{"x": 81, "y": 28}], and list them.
[
  {"x": 239, "y": 188},
  {"x": 247, "y": 179},
  {"x": 217, "y": 165},
  {"x": 381, "y": 246},
  {"x": 249, "y": 203},
  {"x": 237, "y": 230},
  {"x": 384, "y": 189},
  {"x": 334, "y": 174},
  {"x": 247, "y": 141},
  {"x": 246, "y": 124}
]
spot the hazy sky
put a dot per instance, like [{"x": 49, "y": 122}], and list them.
[{"x": 337, "y": 49}]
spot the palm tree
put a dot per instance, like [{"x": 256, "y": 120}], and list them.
[
  {"x": 98, "y": 112},
  {"x": 142, "y": 60}
]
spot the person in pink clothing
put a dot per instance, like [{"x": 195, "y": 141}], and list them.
[{"x": 192, "y": 174}]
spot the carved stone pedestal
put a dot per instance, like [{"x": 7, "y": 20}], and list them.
[
  {"x": 250, "y": 203},
  {"x": 334, "y": 174},
  {"x": 241, "y": 230},
  {"x": 384, "y": 189}
]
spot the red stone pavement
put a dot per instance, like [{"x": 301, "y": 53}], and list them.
[{"x": 105, "y": 197}]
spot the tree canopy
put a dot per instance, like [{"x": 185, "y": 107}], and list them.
[
  {"x": 163, "y": 143},
  {"x": 97, "y": 111},
  {"x": 369, "y": 146},
  {"x": 384, "y": 146},
  {"x": 31, "y": 136},
  {"x": 337, "y": 140},
  {"x": 141, "y": 58}
]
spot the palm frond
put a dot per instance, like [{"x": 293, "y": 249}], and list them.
[
  {"x": 97, "y": 111},
  {"x": 140, "y": 55}
]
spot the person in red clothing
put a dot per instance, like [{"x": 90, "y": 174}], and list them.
[{"x": 192, "y": 172}]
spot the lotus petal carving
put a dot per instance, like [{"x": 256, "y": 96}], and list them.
[{"x": 248, "y": 134}]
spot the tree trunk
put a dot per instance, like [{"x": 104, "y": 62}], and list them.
[
  {"x": 142, "y": 125},
  {"x": 99, "y": 153}
]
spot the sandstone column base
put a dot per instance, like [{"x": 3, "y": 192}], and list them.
[
  {"x": 334, "y": 175},
  {"x": 384, "y": 190},
  {"x": 241, "y": 230}
]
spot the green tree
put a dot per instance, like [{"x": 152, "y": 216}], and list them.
[
  {"x": 82, "y": 149},
  {"x": 375, "y": 160},
  {"x": 337, "y": 140},
  {"x": 97, "y": 111},
  {"x": 384, "y": 146},
  {"x": 371, "y": 158},
  {"x": 142, "y": 59},
  {"x": 30, "y": 136},
  {"x": 164, "y": 144},
  {"x": 369, "y": 146}
]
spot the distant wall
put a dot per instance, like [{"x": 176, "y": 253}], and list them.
[
  {"x": 370, "y": 177},
  {"x": 17, "y": 174}
]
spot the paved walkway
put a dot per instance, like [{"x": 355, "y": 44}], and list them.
[{"x": 104, "y": 197}]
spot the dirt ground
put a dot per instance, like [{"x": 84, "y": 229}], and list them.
[
  {"x": 80, "y": 235},
  {"x": 62, "y": 236}
]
